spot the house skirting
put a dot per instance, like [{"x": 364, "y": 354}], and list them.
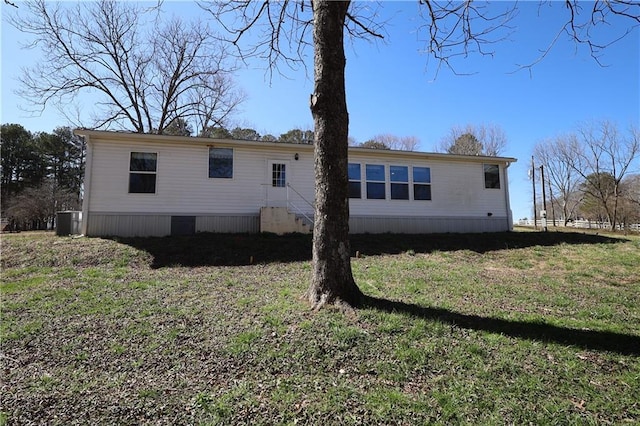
[
  {"x": 160, "y": 225},
  {"x": 427, "y": 225}
]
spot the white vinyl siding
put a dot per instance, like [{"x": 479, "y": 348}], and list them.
[
  {"x": 183, "y": 183},
  {"x": 184, "y": 188},
  {"x": 457, "y": 190}
]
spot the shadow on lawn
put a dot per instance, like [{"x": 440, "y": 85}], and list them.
[
  {"x": 243, "y": 249},
  {"x": 369, "y": 244},
  {"x": 623, "y": 344}
]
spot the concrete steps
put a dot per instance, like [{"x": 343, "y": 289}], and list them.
[{"x": 279, "y": 220}]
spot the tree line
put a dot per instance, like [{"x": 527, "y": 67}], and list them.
[
  {"x": 41, "y": 173},
  {"x": 296, "y": 135},
  {"x": 592, "y": 173}
]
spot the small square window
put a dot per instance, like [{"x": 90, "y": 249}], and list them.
[
  {"x": 143, "y": 162},
  {"x": 422, "y": 174},
  {"x": 375, "y": 191},
  {"x": 375, "y": 172},
  {"x": 421, "y": 192},
  {"x": 142, "y": 183}
]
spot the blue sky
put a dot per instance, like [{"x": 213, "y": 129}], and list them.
[{"x": 393, "y": 88}]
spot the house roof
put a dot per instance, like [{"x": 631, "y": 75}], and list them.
[{"x": 123, "y": 137}]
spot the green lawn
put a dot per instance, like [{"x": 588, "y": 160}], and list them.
[{"x": 507, "y": 328}]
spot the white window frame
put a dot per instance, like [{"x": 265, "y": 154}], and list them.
[
  {"x": 376, "y": 182},
  {"x": 421, "y": 183},
  {"x": 143, "y": 172}
]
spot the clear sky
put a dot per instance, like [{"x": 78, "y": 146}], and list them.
[{"x": 394, "y": 88}]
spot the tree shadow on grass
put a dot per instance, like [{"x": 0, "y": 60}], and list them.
[
  {"x": 207, "y": 249},
  {"x": 624, "y": 344},
  {"x": 370, "y": 244}
]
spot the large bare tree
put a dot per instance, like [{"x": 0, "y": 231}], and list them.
[
  {"x": 143, "y": 71},
  {"x": 630, "y": 207},
  {"x": 401, "y": 143},
  {"x": 555, "y": 155},
  {"x": 604, "y": 157},
  {"x": 282, "y": 28},
  {"x": 332, "y": 278},
  {"x": 490, "y": 140},
  {"x": 591, "y": 170}
]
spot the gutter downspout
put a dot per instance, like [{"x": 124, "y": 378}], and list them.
[{"x": 506, "y": 198}]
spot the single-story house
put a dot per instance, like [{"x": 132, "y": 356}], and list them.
[{"x": 151, "y": 185}]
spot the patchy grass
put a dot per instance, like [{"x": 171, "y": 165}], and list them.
[{"x": 513, "y": 328}]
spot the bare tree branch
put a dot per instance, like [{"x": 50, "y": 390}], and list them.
[
  {"x": 144, "y": 73},
  {"x": 458, "y": 29},
  {"x": 282, "y": 29},
  {"x": 582, "y": 27}
]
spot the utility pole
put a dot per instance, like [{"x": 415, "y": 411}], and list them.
[
  {"x": 544, "y": 201},
  {"x": 533, "y": 182},
  {"x": 553, "y": 209}
]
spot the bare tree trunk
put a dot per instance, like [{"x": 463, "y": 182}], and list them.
[
  {"x": 613, "y": 222},
  {"x": 332, "y": 280}
]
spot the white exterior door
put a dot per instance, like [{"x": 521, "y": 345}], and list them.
[{"x": 278, "y": 175}]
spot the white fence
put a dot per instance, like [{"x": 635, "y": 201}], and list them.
[{"x": 582, "y": 224}]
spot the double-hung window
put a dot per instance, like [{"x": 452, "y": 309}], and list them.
[
  {"x": 221, "y": 163},
  {"x": 399, "y": 177},
  {"x": 421, "y": 183},
  {"x": 143, "y": 172},
  {"x": 355, "y": 181},
  {"x": 491, "y": 176},
  {"x": 375, "y": 181}
]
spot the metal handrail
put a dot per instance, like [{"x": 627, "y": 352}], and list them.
[{"x": 295, "y": 207}]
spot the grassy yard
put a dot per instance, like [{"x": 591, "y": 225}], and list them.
[{"x": 509, "y": 328}]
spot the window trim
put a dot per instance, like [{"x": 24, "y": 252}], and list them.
[{"x": 143, "y": 172}]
